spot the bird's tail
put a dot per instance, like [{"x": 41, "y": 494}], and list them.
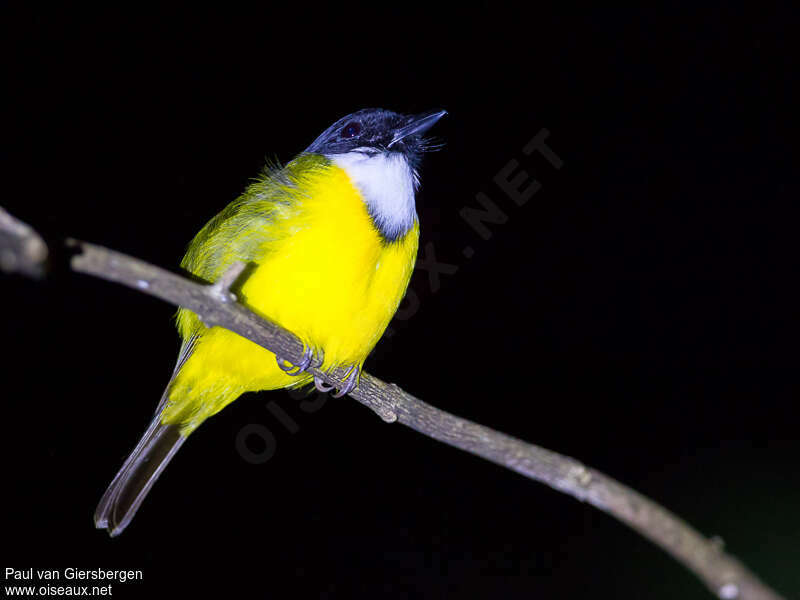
[{"x": 140, "y": 471}]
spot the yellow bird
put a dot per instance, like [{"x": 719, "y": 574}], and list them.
[{"x": 332, "y": 240}]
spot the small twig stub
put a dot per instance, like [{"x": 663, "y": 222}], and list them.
[{"x": 22, "y": 250}]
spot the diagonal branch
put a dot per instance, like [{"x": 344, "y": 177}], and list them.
[{"x": 725, "y": 576}]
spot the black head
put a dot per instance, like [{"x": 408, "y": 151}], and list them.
[{"x": 377, "y": 130}]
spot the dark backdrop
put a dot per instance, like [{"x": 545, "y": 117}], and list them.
[{"x": 639, "y": 312}]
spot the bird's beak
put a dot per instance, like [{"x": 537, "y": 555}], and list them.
[{"x": 417, "y": 125}]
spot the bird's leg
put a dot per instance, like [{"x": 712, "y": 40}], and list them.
[
  {"x": 309, "y": 354},
  {"x": 349, "y": 382},
  {"x": 321, "y": 385}
]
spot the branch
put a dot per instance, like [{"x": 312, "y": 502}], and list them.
[
  {"x": 22, "y": 250},
  {"x": 725, "y": 576}
]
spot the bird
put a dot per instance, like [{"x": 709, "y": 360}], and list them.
[{"x": 330, "y": 241}]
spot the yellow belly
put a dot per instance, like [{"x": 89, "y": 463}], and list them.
[{"x": 329, "y": 277}]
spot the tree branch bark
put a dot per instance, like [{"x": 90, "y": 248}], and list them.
[
  {"x": 22, "y": 250},
  {"x": 725, "y": 576}
]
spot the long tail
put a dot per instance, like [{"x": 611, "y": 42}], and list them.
[{"x": 140, "y": 471}]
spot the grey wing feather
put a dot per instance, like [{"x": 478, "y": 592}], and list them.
[{"x": 183, "y": 355}]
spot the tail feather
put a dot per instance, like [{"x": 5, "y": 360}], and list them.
[
  {"x": 134, "y": 480},
  {"x": 141, "y": 469}
]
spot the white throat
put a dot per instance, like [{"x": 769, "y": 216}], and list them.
[{"x": 387, "y": 182}]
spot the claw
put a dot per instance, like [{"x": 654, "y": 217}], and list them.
[
  {"x": 350, "y": 382},
  {"x": 321, "y": 385},
  {"x": 295, "y": 370}
]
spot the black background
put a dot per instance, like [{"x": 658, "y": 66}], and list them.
[{"x": 638, "y": 313}]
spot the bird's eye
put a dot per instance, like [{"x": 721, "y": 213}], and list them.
[{"x": 352, "y": 129}]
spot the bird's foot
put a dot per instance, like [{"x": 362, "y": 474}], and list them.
[
  {"x": 310, "y": 355},
  {"x": 349, "y": 382}
]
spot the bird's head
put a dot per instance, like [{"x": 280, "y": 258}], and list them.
[
  {"x": 380, "y": 150},
  {"x": 373, "y": 131}
]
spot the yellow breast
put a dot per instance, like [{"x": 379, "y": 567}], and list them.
[
  {"x": 333, "y": 281},
  {"x": 325, "y": 274}
]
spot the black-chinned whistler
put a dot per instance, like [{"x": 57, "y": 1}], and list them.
[{"x": 332, "y": 238}]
